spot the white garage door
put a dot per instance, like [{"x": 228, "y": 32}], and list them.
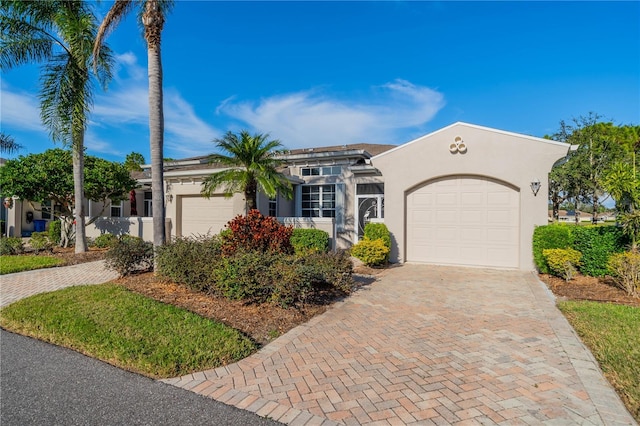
[
  {"x": 464, "y": 220},
  {"x": 201, "y": 215}
]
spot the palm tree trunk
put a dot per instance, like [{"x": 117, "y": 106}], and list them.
[
  {"x": 156, "y": 140},
  {"x": 78, "y": 189}
]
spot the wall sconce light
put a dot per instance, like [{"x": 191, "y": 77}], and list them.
[
  {"x": 535, "y": 186},
  {"x": 8, "y": 202},
  {"x": 168, "y": 198}
]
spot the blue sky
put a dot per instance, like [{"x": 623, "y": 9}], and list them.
[{"x": 329, "y": 73}]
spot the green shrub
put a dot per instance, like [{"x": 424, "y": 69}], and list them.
[
  {"x": 130, "y": 254},
  {"x": 11, "y": 245},
  {"x": 625, "y": 268},
  {"x": 255, "y": 232},
  {"x": 378, "y": 231},
  {"x": 105, "y": 240},
  {"x": 280, "y": 278},
  {"x": 562, "y": 262},
  {"x": 597, "y": 244},
  {"x": 40, "y": 241},
  {"x": 550, "y": 237},
  {"x": 244, "y": 275},
  {"x": 334, "y": 269},
  {"x": 371, "y": 252},
  {"x": 190, "y": 261},
  {"x": 55, "y": 232},
  {"x": 305, "y": 241}
]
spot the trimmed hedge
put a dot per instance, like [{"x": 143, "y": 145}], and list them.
[
  {"x": 597, "y": 244},
  {"x": 550, "y": 237},
  {"x": 378, "y": 231},
  {"x": 563, "y": 262},
  {"x": 305, "y": 241},
  {"x": 371, "y": 252}
]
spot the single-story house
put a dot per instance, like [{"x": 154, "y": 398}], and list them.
[{"x": 463, "y": 195}]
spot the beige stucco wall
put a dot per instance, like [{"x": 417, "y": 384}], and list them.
[{"x": 511, "y": 158}]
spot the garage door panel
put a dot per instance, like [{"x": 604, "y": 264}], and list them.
[
  {"x": 464, "y": 220},
  {"x": 202, "y": 216},
  {"x": 447, "y": 199}
]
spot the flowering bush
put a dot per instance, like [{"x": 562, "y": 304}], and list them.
[{"x": 255, "y": 232}]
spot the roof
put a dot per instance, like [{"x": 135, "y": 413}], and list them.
[
  {"x": 475, "y": 126},
  {"x": 372, "y": 149}
]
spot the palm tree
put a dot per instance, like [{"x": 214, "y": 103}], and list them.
[
  {"x": 251, "y": 166},
  {"x": 8, "y": 144},
  {"x": 152, "y": 18},
  {"x": 61, "y": 34}
]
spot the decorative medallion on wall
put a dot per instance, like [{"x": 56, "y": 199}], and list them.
[{"x": 458, "y": 146}]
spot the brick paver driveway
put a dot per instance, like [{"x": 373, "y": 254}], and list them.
[{"x": 425, "y": 345}]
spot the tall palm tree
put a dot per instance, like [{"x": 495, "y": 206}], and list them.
[
  {"x": 61, "y": 34},
  {"x": 152, "y": 16},
  {"x": 252, "y": 166},
  {"x": 8, "y": 144}
]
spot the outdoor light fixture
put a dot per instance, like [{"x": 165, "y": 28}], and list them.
[{"x": 535, "y": 186}]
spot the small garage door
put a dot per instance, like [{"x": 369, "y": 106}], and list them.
[
  {"x": 201, "y": 215},
  {"x": 464, "y": 220}
]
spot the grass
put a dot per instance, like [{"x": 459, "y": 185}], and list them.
[
  {"x": 612, "y": 333},
  {"x": 127, "y": 330},
  {"x": 11, "y": 264}
]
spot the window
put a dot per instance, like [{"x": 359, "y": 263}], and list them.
[
  {"x": 321, "y": 171},
  {"x": 116, "y": 209},
  {"x": 148, "y": 210},
  {"x": 273, "y": 206},
  {"x": 319, "y": 201},
  {"x": 46, "y": 209}
]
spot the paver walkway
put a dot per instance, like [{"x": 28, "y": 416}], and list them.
[
  {"x": 425, "y": 345},
  {"x": 23, "y": 284}
]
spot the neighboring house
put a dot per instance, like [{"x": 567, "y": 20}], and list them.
[{"x": 463, "y": 195}]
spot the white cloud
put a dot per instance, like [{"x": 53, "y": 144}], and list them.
[
  {"x": 310, "y": 118},
  {"x": 20, "y": 110}
]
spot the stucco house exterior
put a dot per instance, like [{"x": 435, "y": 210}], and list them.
[{"x": 463, "y": 195}]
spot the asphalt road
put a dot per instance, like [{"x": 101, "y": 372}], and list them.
[{"x": 42, "y": 384}]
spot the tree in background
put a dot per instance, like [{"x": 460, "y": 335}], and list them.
[
  {"x": 29, "y": 178},
  {"x": 599, "y": 146},
  {"x": 61, "y": 35},
  {"x": 152, "y": 17},
  {"x": 250, "y": 166},
  {"x": 134, "y": 161},
  {"x": 8, "y": 144}
]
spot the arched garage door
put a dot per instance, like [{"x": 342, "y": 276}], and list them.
[{"x": 464, "y": 220}]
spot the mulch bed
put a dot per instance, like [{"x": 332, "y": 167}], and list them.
[{"x": 588, "y": 288}]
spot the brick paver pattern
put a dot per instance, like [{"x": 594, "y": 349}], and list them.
[
  {"x": 425, "y": 345},
  {"x": 23, "y": 284}
]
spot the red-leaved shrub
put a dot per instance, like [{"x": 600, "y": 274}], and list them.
[{"x": 255, "y": 232}]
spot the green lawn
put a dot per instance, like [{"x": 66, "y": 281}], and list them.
[
  {"x": 128, "y": 330},
  {"x": 11, "y": 264},
  {"x": 612, "y": 333}
]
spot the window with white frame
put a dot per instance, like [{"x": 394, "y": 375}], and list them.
[
  {"x": 116, "y": 209},
  {"x": 321, "y": 171},
  {"x": 148, "y": 210},
  {"x": 318, "y": 201},
  {"x": 273, "y": 206}
]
